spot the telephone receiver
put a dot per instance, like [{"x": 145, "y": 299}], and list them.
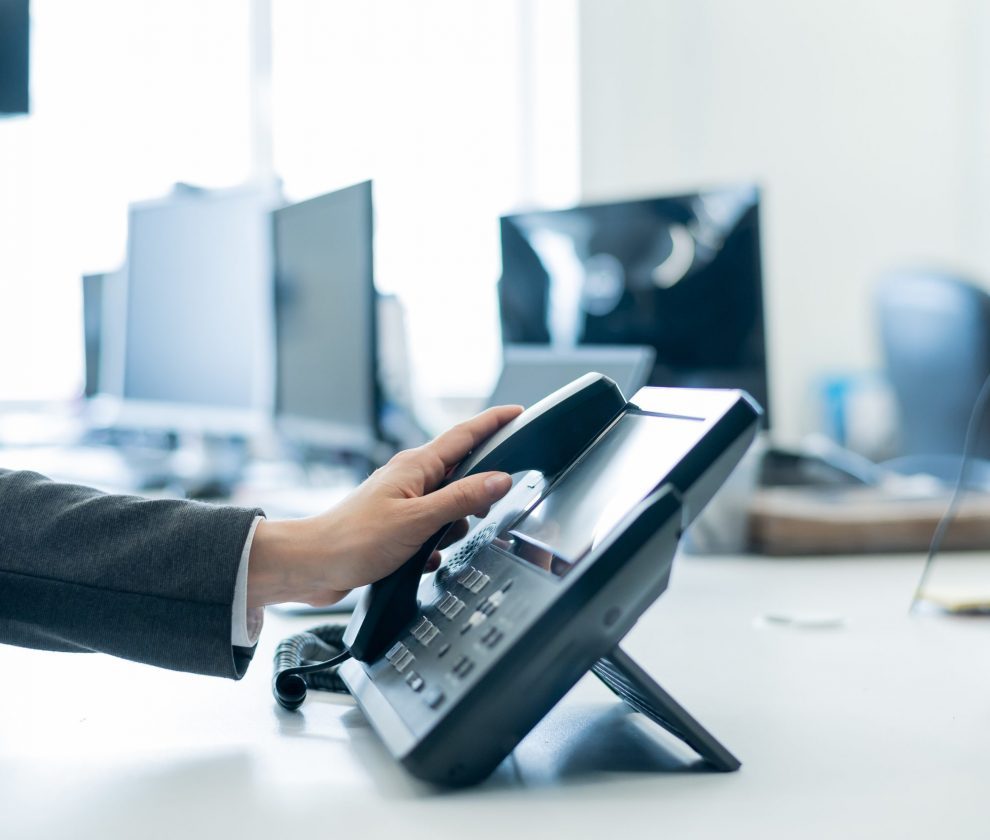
[{"x": 545, "y": 437}]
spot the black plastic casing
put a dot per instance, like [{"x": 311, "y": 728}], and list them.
[{"x": 555, "y": 629}]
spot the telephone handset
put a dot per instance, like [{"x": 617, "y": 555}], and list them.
[{"x": 546, "y": 437}]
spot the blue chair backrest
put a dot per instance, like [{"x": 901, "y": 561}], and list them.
[{"x": 935, "y": 329}]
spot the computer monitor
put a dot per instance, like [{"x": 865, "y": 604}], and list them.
[
  {"x": 15, "y": 48},
  {"x": 198, "y": 325},
  {"x": 679, "y": 273},
  {"x": 93, "y": 333},
  {"x": 326, "y": 387}
]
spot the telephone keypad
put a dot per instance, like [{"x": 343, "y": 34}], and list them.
[
  {"x": 459, "y": 636},
  {"x": 440, "y": 658}
]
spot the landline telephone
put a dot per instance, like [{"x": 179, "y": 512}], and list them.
[{"x": 454, "y": 669}]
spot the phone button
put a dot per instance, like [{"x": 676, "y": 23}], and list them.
[
  {"x": 415, "y": 681},
  {"x": 434, "y": 697},
  {"x": 425, "y": 632},
  {"x": 463, "y": 667},
  {"x": 492, "y": 602},
  {"x": 492, "y": 637},
  {"x": 469, "y": 578},
  {"x": 450, "y": 606},
  {"x": 473, "y": 580},
  {"x": 476, "y": 618},
  {"x": 403, "y": 660}
]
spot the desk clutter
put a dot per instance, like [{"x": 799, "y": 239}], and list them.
[{"x": 860, "y": 520}]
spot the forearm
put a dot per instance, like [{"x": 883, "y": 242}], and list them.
[{"x": 146, "y": 580}]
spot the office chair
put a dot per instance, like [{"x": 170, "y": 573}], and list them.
[{"x": 935, "y": 330}]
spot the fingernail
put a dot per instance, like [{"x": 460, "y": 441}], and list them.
[{"x": 498, "y": 485}]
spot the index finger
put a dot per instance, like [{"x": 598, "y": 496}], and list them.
[{"x": 455, "y": 443}]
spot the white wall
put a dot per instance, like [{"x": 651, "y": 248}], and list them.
[{"x": 861, "y": 121}]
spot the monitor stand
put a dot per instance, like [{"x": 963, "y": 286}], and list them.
[{"x": 634, "y": 686}]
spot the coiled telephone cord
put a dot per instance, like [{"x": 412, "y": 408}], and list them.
[{"x": 309, "y": 660}]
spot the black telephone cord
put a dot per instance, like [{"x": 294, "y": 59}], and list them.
[{"x": 309, "y": 660}]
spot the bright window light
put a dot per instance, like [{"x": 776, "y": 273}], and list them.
[{"x": 126, "y": 99}]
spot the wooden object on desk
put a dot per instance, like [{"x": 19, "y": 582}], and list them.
[{"x": 860, "y": 520}]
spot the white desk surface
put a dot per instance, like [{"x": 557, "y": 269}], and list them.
[{"x": 880, "y": 728}]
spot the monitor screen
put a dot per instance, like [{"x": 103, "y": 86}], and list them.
[
  {"x": 326, "y": 390},
  {"x": 198, "y": 301},
  {"x": 681, "y": 274},
  {"x": 15, "y": 38}
]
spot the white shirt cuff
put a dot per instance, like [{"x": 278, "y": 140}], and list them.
[{"x": 245, "y": 624}]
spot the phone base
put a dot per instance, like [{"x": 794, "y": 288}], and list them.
[{"x": 638, "y": 690}]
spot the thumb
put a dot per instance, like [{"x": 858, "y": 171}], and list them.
[{"x": 471, "y": 495}]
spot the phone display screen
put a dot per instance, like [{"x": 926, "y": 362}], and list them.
[{"x": 599, "y": 490}]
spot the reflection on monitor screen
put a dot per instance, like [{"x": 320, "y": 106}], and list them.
[{"x": 681, "y": 274}]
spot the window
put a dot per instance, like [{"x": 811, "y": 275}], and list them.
[
  {"x": 127, "y": 99},
  {"x": 424, "y": 98},
  {"x": 458, "y": 111}
]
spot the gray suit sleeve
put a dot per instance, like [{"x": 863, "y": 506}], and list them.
[{"x": 148, "y": 580}]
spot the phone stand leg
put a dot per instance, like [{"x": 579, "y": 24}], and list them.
[{"x": 633, "y": 685}]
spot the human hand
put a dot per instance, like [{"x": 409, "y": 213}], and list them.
[{"x": 380, "y": 525}]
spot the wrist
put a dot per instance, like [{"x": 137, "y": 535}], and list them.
[
  {"x": 274, "y": 565},
  {"x": 295, "y": 560}
]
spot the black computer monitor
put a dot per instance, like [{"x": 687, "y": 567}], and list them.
[
  {"x": 326, "y": 387},
  {"x": 679, "y": 273},
  {"x": 198, "y": 325},
  {"x": 15, "y": 38}
]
